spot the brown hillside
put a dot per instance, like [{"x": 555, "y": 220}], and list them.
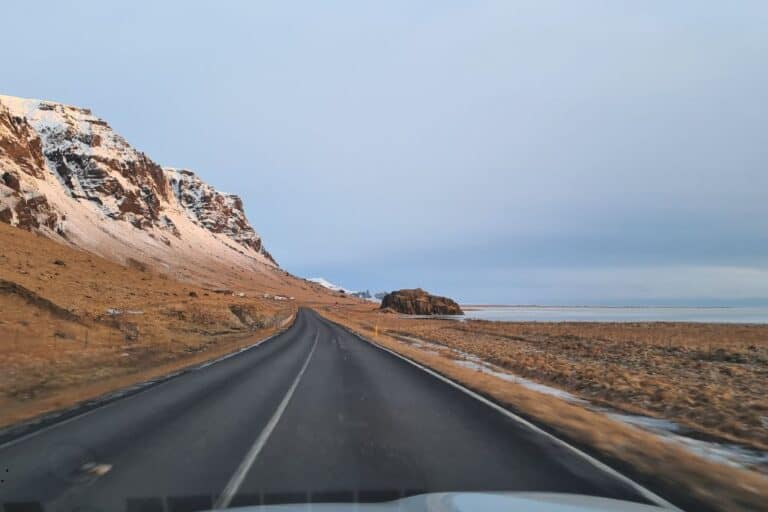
[{"x": 74, "y": 325}]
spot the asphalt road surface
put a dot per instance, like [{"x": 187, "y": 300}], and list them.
[{"x": 314, "y": 414}]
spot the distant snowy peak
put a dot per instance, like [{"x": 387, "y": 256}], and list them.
[
  {"x": 67, "y": 174},
  {"x": 327, "y": 284}
]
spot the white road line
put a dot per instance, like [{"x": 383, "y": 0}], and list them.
[
  {"x": 646, "y": 493},
  {"x": 117, "y": 396},
  {"x": 237, "y": 479}
]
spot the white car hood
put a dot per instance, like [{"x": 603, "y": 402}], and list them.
[{"x": 471, "y": 502}]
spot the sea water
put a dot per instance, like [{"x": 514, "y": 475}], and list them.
[{"x": 736, "y": 315}]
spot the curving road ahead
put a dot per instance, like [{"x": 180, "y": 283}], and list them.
[{"x": 314, "y": 414}]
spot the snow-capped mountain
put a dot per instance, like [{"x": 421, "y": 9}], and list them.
[
  {"x": 327, "y": 284},
  {"x": 364, "y": 294},
  {"x": 66, "y": 174}
]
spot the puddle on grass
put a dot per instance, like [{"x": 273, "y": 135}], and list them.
[{"x": 669, "y": 431}]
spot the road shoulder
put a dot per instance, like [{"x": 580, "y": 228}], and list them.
[{"x": 685, "y": 480}]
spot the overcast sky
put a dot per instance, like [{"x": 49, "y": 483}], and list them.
[{"x": 550, "y": 152}]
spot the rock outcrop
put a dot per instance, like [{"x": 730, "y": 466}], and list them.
[
  {"x": 419, "y": 302},
  {"x": 215, "y": 211},
  {"x": 66, "y": 174}
]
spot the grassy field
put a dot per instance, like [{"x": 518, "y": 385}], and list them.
[
  {"x": 708, "y": 377},
  {"x": 73, "y": 325},
  {"x": 711, "y": 378}
]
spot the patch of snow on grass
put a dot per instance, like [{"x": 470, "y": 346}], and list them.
[
  {"x": 529, "y": 384},
  {"x": 669, "y": 431},
  {"x": 473, "y": 362},
  {"x": 723, "y": 453}
]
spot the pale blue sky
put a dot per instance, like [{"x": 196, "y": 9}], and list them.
[{"x": 522, "y": 152}]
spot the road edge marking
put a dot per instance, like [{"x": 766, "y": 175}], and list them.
[
  {"x": 643, "y": 491},
  {"x": 237, "y": 478}
]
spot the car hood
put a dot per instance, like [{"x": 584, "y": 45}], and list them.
[{"x": 471, "y": 502}]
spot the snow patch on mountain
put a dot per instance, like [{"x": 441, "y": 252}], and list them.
[
  {"x": 331, "y": 286},
  {"x": 216, "y": 211},
  {"x": 66, "y": 174}
]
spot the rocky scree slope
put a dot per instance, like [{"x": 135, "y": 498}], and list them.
[{"x": 66, "y": 174}]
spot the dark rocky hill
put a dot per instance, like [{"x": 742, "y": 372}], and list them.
[{"x": 419, "y": 302}]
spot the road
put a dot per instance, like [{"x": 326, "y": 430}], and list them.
[{"x": 314, "y": 414}]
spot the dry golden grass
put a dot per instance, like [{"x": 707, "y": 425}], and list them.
[
  {"x": 591, "y": 360},
  {"x": 61, "y": 339},
  {"x": 60, "y": 344},
  {"x": 709, "y": 378}
]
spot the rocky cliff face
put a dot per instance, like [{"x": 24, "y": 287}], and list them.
[
  {"x": 66, "y": 174},
  {"x": 215, "y": 211},
  {"x": 419, "y": 302}
]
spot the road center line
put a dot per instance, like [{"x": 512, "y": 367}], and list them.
[{"x": 237, "y": 478}]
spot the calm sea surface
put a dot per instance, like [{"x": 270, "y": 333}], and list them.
[{"x": 752, "y": 315}]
